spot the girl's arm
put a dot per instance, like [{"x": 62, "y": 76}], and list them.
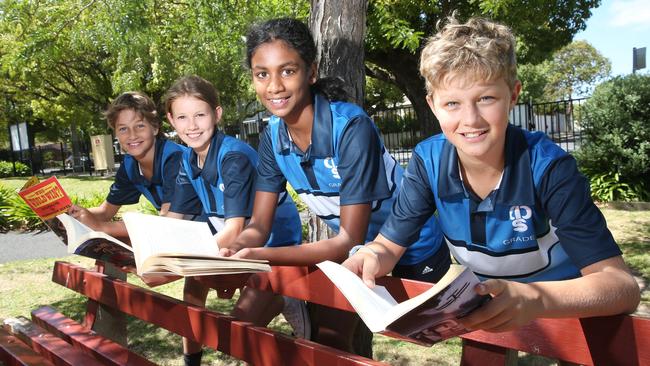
[
  {"x": 227, "y": 235},
  {"x": 259, "y": 227},
  {"x": 164, "y": 208},
  {"x": 605, "y": 288},
  {"x": 354, "y": 223}
]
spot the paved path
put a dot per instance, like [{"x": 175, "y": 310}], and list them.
[{"x": 18, "y": 246}]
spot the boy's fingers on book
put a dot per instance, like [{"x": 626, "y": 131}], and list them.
[
  {"x": 369, "y": 269},
  {"x": 491, "y": 287}
]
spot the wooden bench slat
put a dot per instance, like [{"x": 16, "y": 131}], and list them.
[
  {"x": 622, "y": 340},
  {"x": 14, "y": 352},
  {"x": 53, "y": 348},
  {"x": 309, "y": 283},
  {"x": 259, "y": 346},
  {"x": 97, "y": 346}
]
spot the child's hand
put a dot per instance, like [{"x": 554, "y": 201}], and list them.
[
  {"x": 513, "y": 304},
  {"x": 365, "y": 264},
  {"x": 245, "y": 253},
  {"x": 85, "y": 217},
  {"x": 227, "y": 252}
]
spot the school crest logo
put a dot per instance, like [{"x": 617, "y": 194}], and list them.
[
  {"x": 329, "y": 164},
  {"x": 518, "y": 216}
]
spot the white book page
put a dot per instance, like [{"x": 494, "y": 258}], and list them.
[
  {"x": 151, "y": 235},
  {"x": 370, "y": 304},
  {"x": 448, "y": 279},
  {"x": 78, "y": 233}
]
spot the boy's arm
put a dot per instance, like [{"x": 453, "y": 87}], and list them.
[
  {"x": 375, "y": 259},
  {"x": 104, "y": 212},
  {"x": 99, "y": 219},
  {"x": 605, "y": 288}
]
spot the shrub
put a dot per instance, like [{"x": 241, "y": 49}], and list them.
[
  {"x": 608, "y": 187},
  {"x": 7, "y": 169},
  {"x": 616, "y": 147}
]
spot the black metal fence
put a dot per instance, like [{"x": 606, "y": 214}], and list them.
[{"x": 400, "y": 130}]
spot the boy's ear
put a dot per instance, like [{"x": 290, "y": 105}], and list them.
[
  {"x": 430, "y": 103},
  {"x": 515, "y": 94}
]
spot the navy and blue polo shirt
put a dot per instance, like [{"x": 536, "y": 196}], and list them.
[
  {"x": 130, "y": 183},
  {"x": 225, "y": 189},
  {"x": 539, "y": 224},
  {"x": 345, "y": 164}
]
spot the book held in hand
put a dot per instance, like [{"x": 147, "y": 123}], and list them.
[
  {"x": 159, "y": 246},
  {"x": 424, "y": 319}
]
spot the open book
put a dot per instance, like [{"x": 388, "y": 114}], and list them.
[
  {"x": 424, "y": 319},
  {"x": 159, "y": 246}
]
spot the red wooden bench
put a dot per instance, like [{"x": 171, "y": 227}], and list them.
[{"x": 618, "y": 340}]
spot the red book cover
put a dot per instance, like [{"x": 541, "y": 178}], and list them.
[{"x": 46, "y": 198}]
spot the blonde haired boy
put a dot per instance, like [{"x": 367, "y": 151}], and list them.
[{"x": 512, "y": 205}]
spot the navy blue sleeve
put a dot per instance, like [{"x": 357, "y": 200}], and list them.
[
  {"x": 413, "y": 207},
  {"x": 238, "y": 175},
  {"x": 581, "y": 227},
  {"x": 169, "y": 174},
  {"x": 361, "y": 163},
  {"x": 185, "y": 200},
  {"x": 269, "y": 175},
  {"x": 123, "y": 191}
]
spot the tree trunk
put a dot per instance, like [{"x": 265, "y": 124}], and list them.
[
  {"x": 403, "y": 67},
  {"x": 339, "y": 29}
]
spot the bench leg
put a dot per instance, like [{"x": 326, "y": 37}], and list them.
[
  {"x": 104, "y": 320},
  {"x": 476, "y": 353}
]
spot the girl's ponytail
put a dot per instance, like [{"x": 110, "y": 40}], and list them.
[{"x": 333, "y": 88}]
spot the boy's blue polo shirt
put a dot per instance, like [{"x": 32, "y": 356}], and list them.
[
  {"x": 539, "y": 224},
  {"x": 130, "y": 183},
  {"x": 224, "y": 188},
  {"x": 345, "y": 164}
]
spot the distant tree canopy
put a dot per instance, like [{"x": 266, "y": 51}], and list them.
[
  {"x": 62, "y": 61},
  {"x": 572, "y": 71},
  {"x": 397, "y": 30}
]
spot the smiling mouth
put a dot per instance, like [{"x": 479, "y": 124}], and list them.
[
  {"x": 194, "y": 135},
  {"x": 278, "y": 101},
  {"x": 473, "y": 134},
  {"x": 134, "y": 144}
]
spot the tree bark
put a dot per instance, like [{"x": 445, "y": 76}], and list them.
[
  {"x": 339, "y": 29},
  {"x": 403, "y": 67}
]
